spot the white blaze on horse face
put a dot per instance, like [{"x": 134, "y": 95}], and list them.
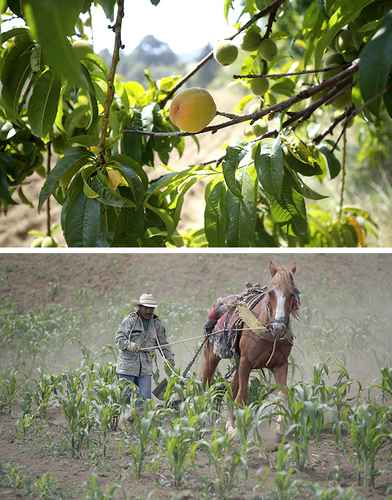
[{"x": 280, "y": 313}]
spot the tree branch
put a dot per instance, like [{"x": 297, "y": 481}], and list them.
[
  {"x": 295, "y": 73},
  {"x": 271, "y": 110},
  {"x": 272, "y": 8},
  {"x": 343, "y": 184},
  {"x": 48, "y": 213},
  {"x": 110, "y": 92}
]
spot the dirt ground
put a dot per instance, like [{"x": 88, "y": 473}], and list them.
[{"x": 336, "y": 290}]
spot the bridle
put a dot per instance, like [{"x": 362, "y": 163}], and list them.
[{"x": 295, "y": 302}]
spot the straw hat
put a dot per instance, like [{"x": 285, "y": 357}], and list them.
[{"x": 147, "y": 300}]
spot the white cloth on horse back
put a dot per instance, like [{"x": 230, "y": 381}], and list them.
[{"x": 132, "y": 330}]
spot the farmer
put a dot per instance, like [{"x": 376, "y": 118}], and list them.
[{"x": 141, "y": 330}]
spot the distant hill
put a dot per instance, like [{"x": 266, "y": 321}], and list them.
[{"x": 161, "y": 60}]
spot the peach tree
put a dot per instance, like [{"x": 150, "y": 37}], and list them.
[{"x": 311, "y": 68}]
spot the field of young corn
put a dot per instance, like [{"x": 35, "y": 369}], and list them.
[
  {"x": 60, "y": 438},
  {"x": 60, "y": 398}
]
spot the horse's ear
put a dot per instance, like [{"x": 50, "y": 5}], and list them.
[
  {"x": 273, "y": 268},
  {"x": 293, "y": 268}
]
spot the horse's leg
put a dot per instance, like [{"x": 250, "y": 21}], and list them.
[
  {"x": 280, "y": 374},
  {"x": 234, "y": 391},
  {"x": 240, "y": 385},
  {"x": 210, "y": 363}
]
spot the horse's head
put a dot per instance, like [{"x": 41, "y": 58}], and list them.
[{"x": 282, "y": 298}]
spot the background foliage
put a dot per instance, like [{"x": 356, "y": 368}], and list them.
[{"x": 58, "y": 118}]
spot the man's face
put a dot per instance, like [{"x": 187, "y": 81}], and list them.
[{"x": 146, "y": 312}]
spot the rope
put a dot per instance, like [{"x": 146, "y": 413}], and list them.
[{"x": 147, "y": 349}]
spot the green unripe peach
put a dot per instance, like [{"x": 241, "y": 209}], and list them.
[
  {"x": 48, "y": 242},
  {"x": 343, "y": 100},
  {"x": 345, "y": 41},
  {"x": 260, "y": 128},
  {"x": 251, "y": 40},
  {"x": 334, "y": 59},
  {"x": 268, "y": 49},
  {"x": 225, "y": 52},
  {"x": 192, "y": 109},
  {"x": 260, "y": 85}
]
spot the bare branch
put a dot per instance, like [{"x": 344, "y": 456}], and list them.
[
  {"x": 268, "y": 10},
  {"x": 271, "y": 110},
  {"x": 295, "y": 73},
  {"x": 110, "y": 92}
]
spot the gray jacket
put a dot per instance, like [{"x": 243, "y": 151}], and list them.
[{"x": 132, "y": 330}]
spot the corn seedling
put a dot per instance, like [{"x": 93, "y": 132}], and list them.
[
  {"x": 45, "y": 387},
  {"x": 145, "y": 429},
  {"x": 368, "y": 431},
  {"x": 77, "y": 410},
  {"x": 179, "y": 447},
  {"x": 24, "y": 424},
  {"x": 305, "y": 419},
  {"x": 225, "y": 460},
  {"x": 244, "y": 419},
  {"x": 7, "y": 391},
  {"x": 386, "y": 383},
  {"x": 95, "y": 492},
  {"x": 46, "y": 487},
  {"x": 285, "y": 487},
  {"x": 332, "y": 493}
]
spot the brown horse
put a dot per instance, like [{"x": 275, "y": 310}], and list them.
[{"x": 270, "y": 350}]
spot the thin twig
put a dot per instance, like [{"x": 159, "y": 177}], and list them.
[
  {"x": 48, "y": 166},
  {"x": 334, "y": 124},
  {"x": 294, "y": 73},
  {"x": 110, "y": 92},
  {"x": 271, "y": 8},
  {"x": 343, "y": 184}
]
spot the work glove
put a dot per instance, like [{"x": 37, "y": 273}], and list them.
[{"x": 133, "y": 347}]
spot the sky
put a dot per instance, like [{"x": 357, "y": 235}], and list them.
[{"x": 186, "y": 25}]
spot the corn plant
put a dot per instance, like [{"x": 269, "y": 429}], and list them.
[
  {"x": 225, "y": 461},
  {"x": 285, "y": 487},
  {"x": 46, "y": 487},
  {"x": 369, "y": 432},
  {"x": 45, "y": 388},
  {"x": 7, "y": 391},
  {"x": 244, "y": 419},
  {"x": 386, "y": 383},
  {"x": 179, "y": 447},
  {"x": 305, "y": 419},
  {"x": 77, "y": 410},
  {"x": 24, "y": 424},
  {"x": 332, "y": 493},
  {"x": 95, "y": 492},
  {"x": 145, "y": 430}
]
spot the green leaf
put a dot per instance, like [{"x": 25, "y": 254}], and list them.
[
  {"x": 92, "y": 98},
  {"x": 103, "y": 192},
  {"x": 131, "y": 175},
  {"x": 131, "y": 143},
  {"x": 43, "y": 103},
  {"x": 130, "y": 229},
  {"x": 233, "y": 207},
  {"x": 214, "y": 215},
  {"x": 333, "y": 163},
  {"x": 71, "y": 162},
  {"x": 16, "y": 7},
  {"x": 108, "y": 7},
  {"x": 230, "y": 164},
  {"x": 15, "y": 72},
  {"x": 270, "y": 169},
  {"x": 81, "y": 218},
  {"x": 375, "y": 66},
  {"x": 13, "y": 32},
  {"x": 306, "y": 169},
  {"x": 49, "y": 26},
  {"x": 303, "y": 189},
  {"x": 5, "y": 195},
  {"x": 247, "y": 220}
]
